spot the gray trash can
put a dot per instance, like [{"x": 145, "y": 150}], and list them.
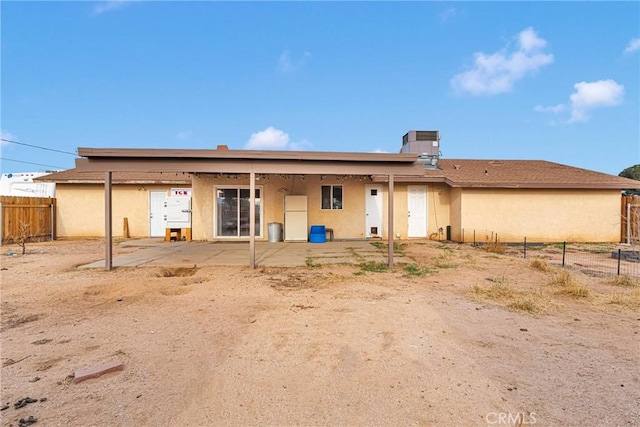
[{"x": 274, "y": 230}]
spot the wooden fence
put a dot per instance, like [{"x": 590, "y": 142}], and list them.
[
  {"x": 31, "y": 218},
  {"x": 630, "y": 224}
]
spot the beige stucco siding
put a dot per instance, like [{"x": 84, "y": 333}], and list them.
[
  {"x": 347, "y": 223},
  {"x": 438, "y": 209},
  {"x": 455, "y": 210},
  {"x": 541, "y": 215},
  {"x": 80, "y": 209},
  {"x": 439, "y": 204},
  {"x": 272, "y": 198}
]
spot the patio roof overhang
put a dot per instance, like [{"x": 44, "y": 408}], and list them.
[
  {"x": 252, "y": 162},
  {"x": 246, "y": 161}
]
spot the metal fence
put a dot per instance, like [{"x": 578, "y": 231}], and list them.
[{"x": 597, "y": 259}]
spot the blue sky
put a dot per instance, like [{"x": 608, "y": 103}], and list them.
[{"x": 557, "y": 81}]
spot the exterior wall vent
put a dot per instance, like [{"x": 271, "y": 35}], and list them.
[{"x": 426, "y": 144}]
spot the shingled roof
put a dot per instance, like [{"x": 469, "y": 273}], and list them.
[
  {"x": 453, "y": 172},
  {"x": 72, "y": 176},
  {"x": 518, "y": 174}
]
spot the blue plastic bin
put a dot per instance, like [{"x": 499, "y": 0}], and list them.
[{"x": 318, "y": 234}]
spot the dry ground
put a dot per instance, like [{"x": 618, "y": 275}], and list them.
[{"x": 461, "y": 337}]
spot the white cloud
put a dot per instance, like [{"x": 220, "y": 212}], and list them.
[
  {"x": 109, "y": 5},
  {"x": 287, "y": 64},
  {"x": 498, "y": 72},
  {"x": 185, "y": 134},
  {"x": 555, "y": 109},
  {"x": 590, "y": 95},
  {"x": 633, "y": 46},
  {"x": 268, "y": 139},
  {"x": 6, "y": 135},
  {"x": 284, "y": 62},
  {"x": 448, "y": 13},
  {"x": 379, "y": 150}
]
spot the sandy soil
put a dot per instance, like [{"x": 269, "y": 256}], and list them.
[{"x": 462, "y": 337}]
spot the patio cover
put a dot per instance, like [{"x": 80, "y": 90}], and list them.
[{"x": 251, "y": 162}]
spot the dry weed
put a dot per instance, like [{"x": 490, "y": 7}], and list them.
[
  {"x": 625, "y": 299},
  {"x": 562, "y": 278},
  {"x": 503, "y": 294},
  {"x": 568, "y": 285},
  {"x": 540, "y": 264},
  {"x": 496, "y": 248},
  {"x": 624, "y": 280}
]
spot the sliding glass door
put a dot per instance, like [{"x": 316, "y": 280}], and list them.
[{"x": 232, "y": 212}]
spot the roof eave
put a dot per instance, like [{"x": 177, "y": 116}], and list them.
[{"x": 245, "y": 155}]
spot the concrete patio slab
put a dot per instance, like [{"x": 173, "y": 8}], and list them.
[{"x": 157, "y": 252}]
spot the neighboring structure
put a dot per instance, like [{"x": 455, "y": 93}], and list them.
[
  {"x": 22, "y": 184},
  {"x": 413, "y": 194}
]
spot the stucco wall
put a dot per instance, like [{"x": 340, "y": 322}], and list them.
[
  {"x": 542, "y": 215},
  {"x": 455, "y": 209},
  {"x": 80, "y": 209},
  {"x": 272, "y": 194},
  {"x": 347, "y": 223}
]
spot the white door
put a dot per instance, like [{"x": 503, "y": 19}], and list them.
[
  {"x": 417, "y": 211},
  {"x": 373, "y": 208},
  {"x": 157, "y": 220}
]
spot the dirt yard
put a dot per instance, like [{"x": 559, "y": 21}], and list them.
[{"x": 461, "y": 337}]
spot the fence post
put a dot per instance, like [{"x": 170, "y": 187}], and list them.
[
  {"x": 1, "y": 230},
  {"x": 463, "y": 235},
  {"x": 474, "y": 238},
  {"x": 51, "y": 206},
  {"x": 619, "y": 256},
  {"x": 564, "y": 250},
  {"x": 525, "y": 247},
  {"x": 628, "y": 223}
]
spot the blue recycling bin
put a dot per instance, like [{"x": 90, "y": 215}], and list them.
[{"x": 318, "y": 234}]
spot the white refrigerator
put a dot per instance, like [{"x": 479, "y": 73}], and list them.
[{"x": 295, "y": 218}]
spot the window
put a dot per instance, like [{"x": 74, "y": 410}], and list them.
[{"x": 332, "y": 197}]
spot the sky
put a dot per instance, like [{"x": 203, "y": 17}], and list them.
[{"x": 556, "y": 81}]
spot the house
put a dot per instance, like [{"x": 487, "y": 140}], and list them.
[
  {"x": 236, "y": 194},
  {"x": 137, "y": 196}
]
